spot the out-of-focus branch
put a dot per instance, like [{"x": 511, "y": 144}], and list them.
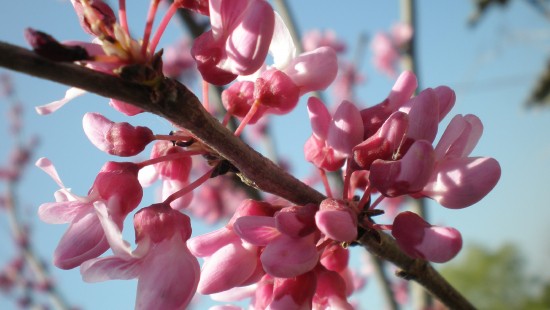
[
  {"x": 409, "y": 61},
  {"x": 177, "y": 104},
  {"x": 20, "y": 235},
  {"x": 382, "y": 278},
  {"x": 28, "y": 270}
]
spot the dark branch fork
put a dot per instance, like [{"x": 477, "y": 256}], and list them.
[{"x": 179, "y": 105}]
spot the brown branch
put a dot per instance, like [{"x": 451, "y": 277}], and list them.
[{"x": 177, "y": 104}]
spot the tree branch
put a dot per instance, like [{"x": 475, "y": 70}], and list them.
[{"x": 177, "y": 104}]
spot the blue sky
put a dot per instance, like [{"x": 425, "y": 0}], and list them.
[{"x": 492, "y": 68}]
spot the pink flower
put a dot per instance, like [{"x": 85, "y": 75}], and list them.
[
  {"x": 333, "y": 136},
  {"x": 278, "y": 88},
  {"x": 293, "y": 293},
  {"x": 459, "y": 181},
  {"x": 121, "y": 139},
  {"x": 217, "y": 199},
  {"x": 287, "y": 252},
  {"x": 330, "y": 292},
  {"x": 336, "y": 220},
  {"x": 116, "y": 186},
  {"x": 419, "y": 239},
  {"x": 387, "y": 47},
  {"x": 229, "y": 262},
  {"x": 373, "y": 117},
  {"x": 315, "y": 38},
  {"x": 238, "y": 42},
  {"x": 177, "y": 61},
  {"x": 167, "y": 273},
  {"x": 173, "y": 173}
]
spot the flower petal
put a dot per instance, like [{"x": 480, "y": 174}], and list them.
[
  {"x": 407, "y": 175},
  {"x": 257, "y": 230},
  {"x": 461, "y": 182},
  {"x": 419, "y": 239},
  {"x": 287, "y": 257},
  {"x": 159, "y": 289},
  {"x": 313, "y": 70},
  {"x": 60, "y": 212},
  {"x": 83, "y": 240},
  {"x": 346, "y": 129},
  {"x": 71, "y": 93},
  {"x": 282, "y": 46},
  {"x": 110, "y": 268},
  {"x": 229, "y": 267},
  {"x": 319, "y": 116},
  {"x": 460, "y": 137}
]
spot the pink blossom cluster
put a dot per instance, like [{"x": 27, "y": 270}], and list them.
[
  {"x": 388, "y": 47},
  {"x": 279, "y": 254}
]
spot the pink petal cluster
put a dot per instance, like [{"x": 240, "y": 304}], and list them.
[
  {"x": 121, "y": 139},
  {"x": 280, "y": 255},
  {"x": 161, "y": 235},
  {"x": 386, "y": 47},
  {"x": 421, "y": 240},
  {"x": 238, "y": 42},
  {"x": 333, "y": 136},
  {"x": 116, "y": 186},
  {"x": 174, "y": 174},
  {"x": 314, "y": 39},
  {"x": 399, "y": 155}
]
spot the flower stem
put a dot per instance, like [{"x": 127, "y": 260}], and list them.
[
  {"x": 325, "y": 182},
  {"x": 376, "y": 202},
  {"x": 122, "y": 16},
  {"x": 247, "y": 118},
  {"x": 162, "y": 26},
  {"x": 205, "y": 101},
  {"x": 174, "y": 156},
  {"x": 189, "y": 187},
  {"x": 148, "y": 26}
]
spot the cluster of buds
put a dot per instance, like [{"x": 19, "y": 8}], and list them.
[{"x": 279, "y": 254}]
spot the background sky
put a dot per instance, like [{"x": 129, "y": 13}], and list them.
[{"x": 492, "y": 68}]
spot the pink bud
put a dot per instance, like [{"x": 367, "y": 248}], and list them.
[
  {"x": 160, "y": 222},
  {"x": 336, "y": 220},
  {"x": 176, "y": 169},
  {"x": 125, "y": 108},
  {"x": 119, "y": 180},
  {"x": 407, "y": 175},
  {"x": 297, "y": 221},
  {"x": 121, "y": 139},
  {"x": 239, "y": 97},
  {"x": 314, "y": 70},
  {"x": 419, "y": 239},
  {"x": 102, "y": 14},
  {"x": 294, "y": 293},
  {"x": 277, "y": 91},
  {"x": 335, "y": 257}
]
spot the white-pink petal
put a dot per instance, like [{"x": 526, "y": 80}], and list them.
[
  {"x": 71, "y": 93},
  {"x": 96, "y": 128},
  {"x": 168, "y": 278},
  {"x": 314, "y": 70},
  {"x": 110, "y": 268},
  {"x": 257, "y": 230},
  {"x": 229, "y": 267},
  {"x": 47, "y": 166},
  {"x": 282, "y": 46},
  {"x": 83, "y": 240},
  {"x": 346, "y": 128},
  {"x": 461, "y": 182},
  {"x": 61, "y": 212},
  {"x": 287, "y": 257},
  {"x": 319, "y": 116}
]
